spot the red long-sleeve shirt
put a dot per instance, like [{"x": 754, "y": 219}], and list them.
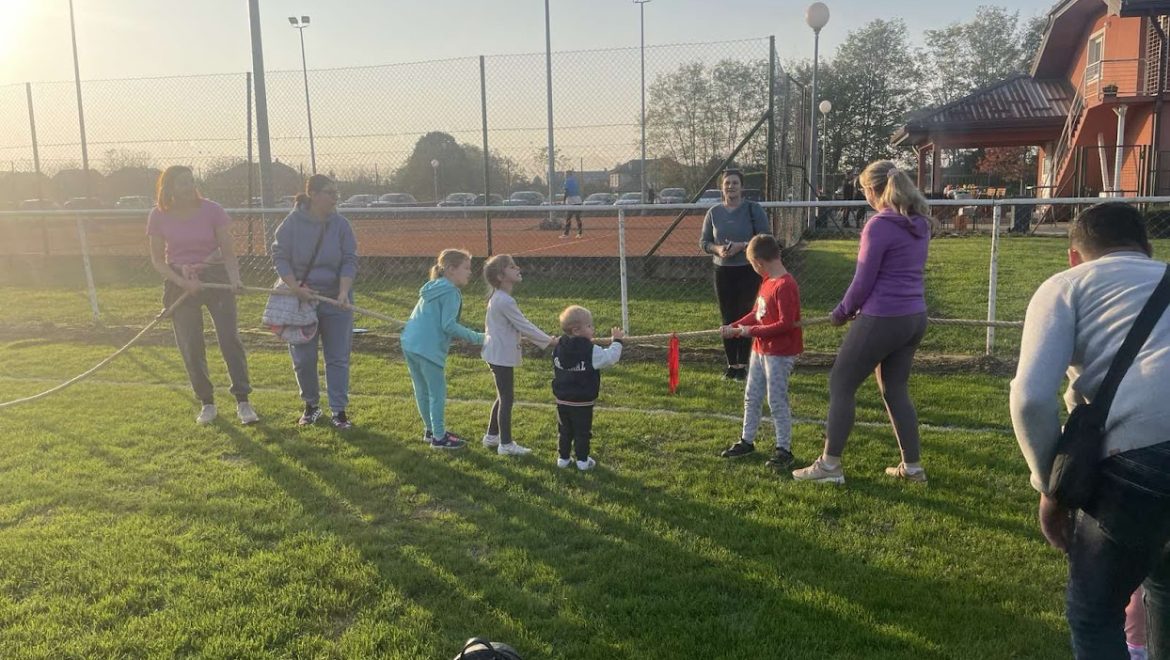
[{"x": 773, "y": 321}]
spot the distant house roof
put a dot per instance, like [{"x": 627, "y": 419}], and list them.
[{"x": 1020, "y": 102}]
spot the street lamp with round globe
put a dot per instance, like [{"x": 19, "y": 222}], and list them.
[
  {"x": 435, "y": 168},
  {"x": 817, "y": 17},
  {"x": 825, "y": 106}
]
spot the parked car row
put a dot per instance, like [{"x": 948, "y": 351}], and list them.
[{"x": 86, "y": 204}]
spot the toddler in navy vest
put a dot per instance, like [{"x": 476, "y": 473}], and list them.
[{"x": 577, "y": 381}]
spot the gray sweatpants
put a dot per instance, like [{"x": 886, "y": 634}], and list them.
[
  {"x": 187, "y": 320},
  {"x": 768, "y": 374},
  {"x": 883, "y": 346}
]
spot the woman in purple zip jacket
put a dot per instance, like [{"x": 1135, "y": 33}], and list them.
[{"x": 886, "y": 303}]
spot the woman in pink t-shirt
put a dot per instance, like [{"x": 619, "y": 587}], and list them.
[{"x": 190, "y": 244}]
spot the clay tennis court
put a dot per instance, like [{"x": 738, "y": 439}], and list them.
[{"x": 379, "y": 236}]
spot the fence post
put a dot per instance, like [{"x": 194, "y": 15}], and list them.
[
  {"x": 769, "y": 159},
  {"x": 993, "y": 275},
  {"x": 624, "y": 271},
  {"x": 93, "y": 301},
  {"x": 32, "y": 129},
  {"x": 251, "y": 191},
  {"x": 487, "y": 189}
]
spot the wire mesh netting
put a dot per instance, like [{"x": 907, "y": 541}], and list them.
[{"x": 474, "y": 131}]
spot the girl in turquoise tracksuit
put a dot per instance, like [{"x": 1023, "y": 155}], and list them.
[{"x": 427, "y": 338}]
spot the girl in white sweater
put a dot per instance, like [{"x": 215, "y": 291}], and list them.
[{"x": 505, "y": 326}]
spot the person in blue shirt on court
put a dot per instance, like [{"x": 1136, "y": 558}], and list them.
[{"x": 572, "y": 196}]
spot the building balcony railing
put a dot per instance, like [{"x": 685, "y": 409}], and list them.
[{"x": 1125, "y": 78}]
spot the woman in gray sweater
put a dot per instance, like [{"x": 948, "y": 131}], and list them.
[
  {"x": 315, "y": 251},
  {"x": 726, "y": 231}
]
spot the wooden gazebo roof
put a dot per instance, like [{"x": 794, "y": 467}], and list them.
[{"x": 1019, "y": 111}]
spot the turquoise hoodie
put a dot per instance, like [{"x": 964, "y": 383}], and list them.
[{"x": 435, "y": 320}]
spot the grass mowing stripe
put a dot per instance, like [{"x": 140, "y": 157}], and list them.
[{"x": 487, "y": 403}]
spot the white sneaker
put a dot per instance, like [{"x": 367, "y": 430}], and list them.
[
  {"x": 491, "y": 441},
  {"x": 246, "y": 414},
  {"x": 512, "y": 449},
  {"x": 587, "y": 464},
  {"x": 564, "y": 462},
  {"x": 207, "y": 414},
  {"x": 818, "y": 472}
]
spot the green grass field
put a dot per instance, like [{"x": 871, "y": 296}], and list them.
[
  {"x": 957, "y": 287},
  {"x": 128, "y": 531}
]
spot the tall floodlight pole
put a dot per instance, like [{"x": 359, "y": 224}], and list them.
[
  {"x": 816, "y": 16},
  {"x": 548, "y": 86},
  {"x": 300, "y": 26},
  {"x": 642, "y": 48},
  {"x": 263, "y": 142},
  {"x": 80, "y": 110}
]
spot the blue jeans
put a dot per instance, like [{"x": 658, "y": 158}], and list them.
[
  {"x": 335, "y": 332},
  {"x": 1120, "y": 542}
]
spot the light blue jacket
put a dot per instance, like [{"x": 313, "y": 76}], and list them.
[{"x": 435, "y": 321}]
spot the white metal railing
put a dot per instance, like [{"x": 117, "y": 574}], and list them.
[{"x": 622, "y": 212}]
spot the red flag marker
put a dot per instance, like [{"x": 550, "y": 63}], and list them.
[{"x": 672, "y": 362}]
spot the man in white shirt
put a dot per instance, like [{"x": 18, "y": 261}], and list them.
[{"x": 1076, "y": 321}]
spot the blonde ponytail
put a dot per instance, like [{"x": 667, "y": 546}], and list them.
[
  {"x": 449, "y": 258},
  {"x": 894, "y": 190}
]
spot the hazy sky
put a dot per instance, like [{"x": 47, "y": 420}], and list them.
[{"x": 134, "y": 38}]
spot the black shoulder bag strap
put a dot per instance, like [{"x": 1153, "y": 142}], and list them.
[
  {"x": 316, "y": 249},
  {"x": 1143, "y": 325}
]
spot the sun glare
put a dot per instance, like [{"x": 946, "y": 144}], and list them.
[{"x": 14, "y": 28}]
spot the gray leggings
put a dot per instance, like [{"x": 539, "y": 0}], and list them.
[{"x": 885, "y": 347}]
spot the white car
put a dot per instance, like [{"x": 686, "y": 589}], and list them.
[
  {"x": 358, "y": 201},
  {"x": 711, "y": 197},
  {"x": 600, "y": 199},
  {"x": 629, "y": 198},
  {"x": 525, "y": 198},
  {"x": 391, "y": 200},
  {"x": 672, "y": 196},
  {"x": 133, "y": 202}
]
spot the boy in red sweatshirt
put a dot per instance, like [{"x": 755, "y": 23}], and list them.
[{"x": 777, "y": 340}]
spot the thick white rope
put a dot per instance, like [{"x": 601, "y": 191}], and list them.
[{"x": 383, "y": 317}]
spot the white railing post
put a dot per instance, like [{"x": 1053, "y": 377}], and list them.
[
  {"x": 993, "y": 276},
  {"x": 93, "y": 301},
  {"x": 622, "y": 265}
]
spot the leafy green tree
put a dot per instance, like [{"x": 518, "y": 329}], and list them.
[
  {"x": 994, "y": 45},
  {"x": 697, "y": 114}
]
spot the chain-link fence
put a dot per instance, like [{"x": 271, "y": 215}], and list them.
[
  {"x": 419, "y": 129},
  {"x": 633, "y": 266}
]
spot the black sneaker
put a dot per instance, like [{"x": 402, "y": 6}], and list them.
[
  {"x": 781, "y": 459},
  {"x": 740, "y": 448},
  {"x": 340, "y": 421},
  {"x": 310, "y": 416},
  {"x": 739, "y": 373},
  {"x": 729, "y": 373},
  {"x": 448, "y": 441}
]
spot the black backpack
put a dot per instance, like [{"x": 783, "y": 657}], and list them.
[{"x": 478, "y": 648}]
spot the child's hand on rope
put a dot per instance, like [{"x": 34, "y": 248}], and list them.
[{"x": 618, "y": 333}]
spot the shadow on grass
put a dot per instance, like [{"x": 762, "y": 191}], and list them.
[{"x": 684, "y": 576}]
